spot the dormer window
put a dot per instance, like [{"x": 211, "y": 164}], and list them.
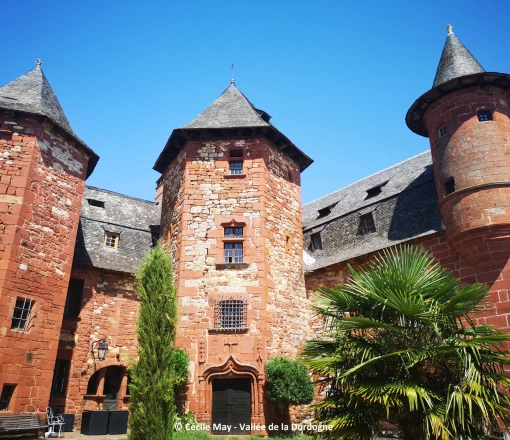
[
  {"x": 324, "y": 212},
  {"x": 484, "y": 115},
  {"x": 366, "y": 224},
  {"x": 111, "y": 240},
  {"x": 442, "y": 131},
  {"x": 315, "y": 241},
  {"x": 96, "y": 203},
  {"x": 375, "y": 191}
]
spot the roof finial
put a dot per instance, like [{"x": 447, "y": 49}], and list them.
[
  {"x": 233, "y": 81},
  {"x": 449, "y": 28},
  {"x": 38, "y": 63}
]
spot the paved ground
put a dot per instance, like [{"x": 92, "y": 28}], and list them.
[{"x": 77, "y": 436}]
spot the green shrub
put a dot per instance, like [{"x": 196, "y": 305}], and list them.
[
  {"x": 180, "y": 362},
  {"x": 288, "y": 382}
]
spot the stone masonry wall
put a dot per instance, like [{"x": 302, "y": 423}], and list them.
[
  {"x": 200, "y": 200},
  {"x": 42, "y": 177},
  {"x": 109, "y": 308}
]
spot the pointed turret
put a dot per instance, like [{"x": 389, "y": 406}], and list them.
[
  {"x": 466, "y": 116},
  {"x": 32, "y": 93},
  {"x": 456, "y": 60},
  {"x": 232, "y": 115},
  {"x": 457, "y": 69}
]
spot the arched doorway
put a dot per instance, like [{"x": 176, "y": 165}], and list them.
[
  {"x": 231, "y": 406},
  {"x": 110, "y": 386},
  {"x": 231, "y": 394}
]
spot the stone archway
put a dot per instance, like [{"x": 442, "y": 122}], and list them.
[
  {"x": 108, "y": 388},
  {"x": 231, "y": 369}
]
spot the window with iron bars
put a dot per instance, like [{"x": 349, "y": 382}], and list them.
[
  {"x": 21, "y": 314},
  {"x": 230, "y": 314}
]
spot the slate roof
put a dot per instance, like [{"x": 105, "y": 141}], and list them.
[
  {"x": 406, "y": 208},
  {"x": 231, "y": 109},
  {"x": 456, "y": 61},
  {"x": 32, "y": 93},
  {"x": 137, "y": 222},
  {"x": 232, "y": 115},
  {"x": 457, "y": 69}
]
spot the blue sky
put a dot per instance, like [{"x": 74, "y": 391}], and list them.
[{"x": 337, "y": 77}]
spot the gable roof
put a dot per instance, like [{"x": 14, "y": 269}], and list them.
[
  {"x": 232, "y": 115},
  {"x": 32, "y": 93},
  {"x": 405, "y": 209},
  {"x": 135, "y": 220}
]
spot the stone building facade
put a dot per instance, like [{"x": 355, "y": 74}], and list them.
[{"x": 247, "y": 255}]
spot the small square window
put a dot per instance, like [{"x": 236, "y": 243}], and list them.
[
  {"x": 74, "y": 296},
  {"x": 5, "y": 399},
  {"x": 315, "y": 241},
  {"x": 236, "y": 153},
  {"x": 236, "y": 168},
  {"x": 449, "y": 186},
  {"x": 484, "y": 115},
  {"x": 21, "y": 314},
  {"x": 111, "y": 240},
  {"x": 230, "y": 314},
  {"x": 366, "y": 224},
  {"x": 442, "y": 131}
]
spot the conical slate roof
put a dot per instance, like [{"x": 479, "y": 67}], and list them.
[
  {"x": 458, "y": 69},
  {"x": 230, "y": 110},
  {"x": 456, "y": 61},
  {"x": 32, "y": 93}
]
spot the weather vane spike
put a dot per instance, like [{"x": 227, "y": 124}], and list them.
[
  {"x": 38, "y": 63},
  {"x": 449, "y": 28},
  {"x": 233, "y": 80}
]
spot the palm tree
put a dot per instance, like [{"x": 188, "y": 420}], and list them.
[{"x": 400, "y": 346}]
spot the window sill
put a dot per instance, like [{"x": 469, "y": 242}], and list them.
[
  {"x": 228, "y": 330},
  {"x": 234, "y": 176},
  {"x": 220, "y": 266}
]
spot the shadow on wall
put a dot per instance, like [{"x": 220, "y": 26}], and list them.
[{"x": 416, "y": 211}]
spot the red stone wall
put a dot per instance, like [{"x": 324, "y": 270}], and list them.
[
  {"x": 200, "y": 199},
  {"x": 42, "y": 176},
  {"x": 497, "y": 310},
  {"x": 109, "y": 309},
  {"x": 477, "y": 155}
]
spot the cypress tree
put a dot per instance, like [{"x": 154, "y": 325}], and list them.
[{"x": 152, "y": 407}]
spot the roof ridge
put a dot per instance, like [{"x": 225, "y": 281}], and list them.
[
  {"x": 367, "y": 177},
  {"x": 119, "y": 194}
]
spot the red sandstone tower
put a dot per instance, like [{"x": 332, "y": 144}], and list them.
[
  {"x": 43, "y": 167},
  {"x": 466, "y": 117},
  {"x": 231, "y": 213}
]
